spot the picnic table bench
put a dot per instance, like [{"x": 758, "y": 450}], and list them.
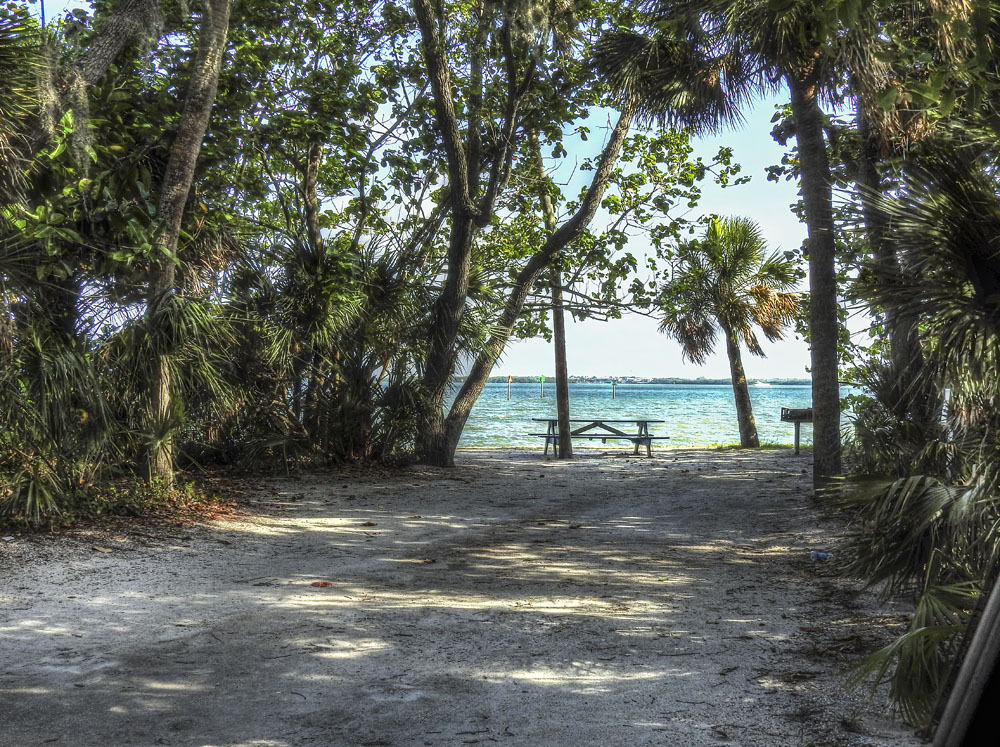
[
  {"x": 603, "y": 429},
  {"x": 798, "y": 416}
]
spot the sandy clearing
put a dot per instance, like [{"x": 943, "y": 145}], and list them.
[{"x": 610, "y": 600}]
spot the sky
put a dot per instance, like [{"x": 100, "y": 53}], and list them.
[{"x": 633, "y": 346}]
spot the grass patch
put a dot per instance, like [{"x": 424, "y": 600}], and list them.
[{"x": 766, "y": 446}]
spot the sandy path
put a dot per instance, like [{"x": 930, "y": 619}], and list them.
[{"x": 606, "y": 601}]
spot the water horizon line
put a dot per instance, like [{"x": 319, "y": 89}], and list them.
[{"x": 701, "y": 380}]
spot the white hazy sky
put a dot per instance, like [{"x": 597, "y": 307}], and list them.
[{"x": 633, "y": 346}]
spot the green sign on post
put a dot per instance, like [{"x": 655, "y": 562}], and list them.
[{"x": 541, "y": 386}]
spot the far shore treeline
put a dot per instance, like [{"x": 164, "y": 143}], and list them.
[{"x": 639, "y": 380}]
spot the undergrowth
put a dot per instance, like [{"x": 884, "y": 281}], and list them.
[{"x": 123, "y": 498}]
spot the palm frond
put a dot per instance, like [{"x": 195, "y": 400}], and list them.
[
  {"x": 695, "y": 333},
  {"x": 721, "y": 280},
  {"x": 677, "y": 83},
  {"x": 918, "y": 671},
  {"x": 20, "y": 59}
]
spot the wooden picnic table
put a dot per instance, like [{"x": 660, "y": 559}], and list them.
[{"x": 602, "y": 428}]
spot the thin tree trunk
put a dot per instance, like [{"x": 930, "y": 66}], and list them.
[
  {"x": 817, "y": 196},
  {"x": 176, "y": 187},
  {"x": 313, "y": 361},
  {"x": 562, "y": 370},
  {"x": 741, "y": 392},
  {"x": 565, "y": 450}
]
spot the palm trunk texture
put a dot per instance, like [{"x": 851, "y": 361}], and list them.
[
  {"x": 741, "y": 393},
  {"x": 904, "y": 344},
  {"x": 817, "y": 197}
]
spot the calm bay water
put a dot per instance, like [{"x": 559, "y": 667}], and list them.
[{"x": 695, "y": 414}]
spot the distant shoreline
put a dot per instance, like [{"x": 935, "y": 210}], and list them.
[{"x": 642, "y": 380}]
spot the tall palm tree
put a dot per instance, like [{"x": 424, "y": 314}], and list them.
[
  {"x": 727, "y": 283},
  {"x": 696, "y": 62}
]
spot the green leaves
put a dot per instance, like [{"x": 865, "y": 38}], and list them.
[{"x": 887, "y": 99}]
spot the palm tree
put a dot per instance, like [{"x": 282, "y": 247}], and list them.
[
  {"x": 727, "y": 283},
  {"x": 696, "y": 63}
]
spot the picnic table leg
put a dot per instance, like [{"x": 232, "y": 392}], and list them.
[
  {"x": 643, "y": 431},
  {"x": 797, "y": 425},
  {"x": 555, "y": 440}
]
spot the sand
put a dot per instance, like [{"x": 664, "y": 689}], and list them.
[{"x": 611, "y": 600}]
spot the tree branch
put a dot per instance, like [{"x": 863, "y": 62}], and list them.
[{"x": 444, "y": 108}]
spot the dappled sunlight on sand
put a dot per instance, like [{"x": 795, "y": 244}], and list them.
[
  {"x": 161, "y": 686},
  {"x": 349, "y": 648},
  {"x": 582, "y": 677},
  {"x": 427, "y": 601}
]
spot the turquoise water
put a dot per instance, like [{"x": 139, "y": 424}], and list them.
[{"x": 695, "y": 414}]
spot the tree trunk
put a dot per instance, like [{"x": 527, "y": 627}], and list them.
[
  {"x": 565, "y": 450},
  {"x": 176, "y": 186},
  {"x": 310, "y": 193},
  {"x": 434, "y": 443},
  {"x": 312, "y": 360},
  {"x": 741, "y": 392},
  {"x": 522, "y": 285},
  {"x": 562, "y": 370},
  {"x": 130, "y": 21},
  {"x": 472, "y": 208},
  {"x": 904, "y": 343},
  {"x": 817, "y": 196}
]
